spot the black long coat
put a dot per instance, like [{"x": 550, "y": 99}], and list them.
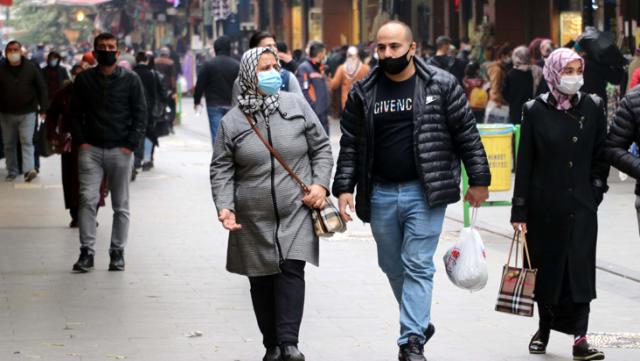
[
  {"x": 58, "y": 125},
  {"x": 154, "y": 94},
  {"x": 517, "y": 90},
  {"x": 560, "y": 179}
]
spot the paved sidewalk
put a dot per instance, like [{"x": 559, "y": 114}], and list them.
[{"x": 176, "y": 284}]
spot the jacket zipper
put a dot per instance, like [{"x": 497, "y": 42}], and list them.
[
  {"x": 369, "y": 146},
  {"x": 273, "y": 195},
  {"x": 416, "y": 130}
]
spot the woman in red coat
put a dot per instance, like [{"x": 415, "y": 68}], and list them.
[{"x": 58, "y": 124}]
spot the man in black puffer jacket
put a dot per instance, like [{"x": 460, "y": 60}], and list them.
[
  {"x": 624, "y": 131},
  {"x": 404, "y": 130}
]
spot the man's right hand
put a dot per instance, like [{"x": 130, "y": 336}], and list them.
[
  {"x": 346, "y": 199},
  {"x": 84, "y": 146},
  {"x": 228, "y": 220}
]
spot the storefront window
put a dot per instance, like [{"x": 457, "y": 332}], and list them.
[{"x": 570, "y": 26}]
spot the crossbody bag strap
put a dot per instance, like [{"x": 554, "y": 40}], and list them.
[{"x": 276, "y": 155}]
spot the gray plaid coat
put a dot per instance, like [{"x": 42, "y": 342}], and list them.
[{"x": 267, "y": 202}]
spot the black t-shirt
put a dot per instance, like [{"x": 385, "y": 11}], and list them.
[{"x": 394, "y": 156}]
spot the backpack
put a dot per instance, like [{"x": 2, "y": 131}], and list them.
[{"x": 478, "y": 98}]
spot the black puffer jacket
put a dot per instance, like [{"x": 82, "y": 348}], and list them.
[
  {"x": 624, "y": 131},
  {"x": 444, "y": 132}
]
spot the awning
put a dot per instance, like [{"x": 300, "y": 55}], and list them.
[
  {"x": 81, "y": 2},
  {"x": 6, "y": 2}
]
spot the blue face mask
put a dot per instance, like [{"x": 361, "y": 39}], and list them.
[{"x": 269, "y": 82}]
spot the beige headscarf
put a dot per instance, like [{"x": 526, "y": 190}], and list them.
[{"x": 353, "y": 63}]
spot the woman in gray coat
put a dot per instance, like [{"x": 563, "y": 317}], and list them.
[{"x": 271, "y": 234}]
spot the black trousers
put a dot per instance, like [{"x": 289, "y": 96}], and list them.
[
  {"x": 567, "y": 316},
  {"x": 278, "y": 301}
]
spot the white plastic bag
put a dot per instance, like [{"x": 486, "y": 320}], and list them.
[
  {"x": 466, "y": 261},
  {"x": 495, "y": 114}
]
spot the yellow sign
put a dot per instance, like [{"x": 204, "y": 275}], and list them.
[
  {"x": 296, "y": 27},
  {"x": 315, "y": 24},
  {"x": 570, "y": 26}
]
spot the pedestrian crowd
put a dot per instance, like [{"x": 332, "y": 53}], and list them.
[
  {"x": 408, "y": 119},
  {"x": 103, "y": 118}
]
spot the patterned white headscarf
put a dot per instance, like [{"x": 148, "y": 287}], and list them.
[{"x": 250, "y": 100}]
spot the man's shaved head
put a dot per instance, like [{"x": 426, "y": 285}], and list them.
[{"x": 395, "y": 25}]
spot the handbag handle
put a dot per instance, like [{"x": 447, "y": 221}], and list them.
[
  {"x": 276, "y": 155},
  {"x": 516, "y": 239}
]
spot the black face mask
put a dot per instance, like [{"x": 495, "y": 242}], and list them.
[
  {"x": 395, "y": 66},
  {"x": 105, "y": 57}
]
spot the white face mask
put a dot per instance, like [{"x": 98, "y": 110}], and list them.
[
  {"x": 570, "y": 84},
  {"x": 14, "y": 57}
]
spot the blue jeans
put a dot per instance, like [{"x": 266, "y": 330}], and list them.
[
  {"x": 215, "y": 115},
  {"x": 148, "y": 150},
  {"x": 14, "y": 128},
  {"x": 407, "y": 231}
]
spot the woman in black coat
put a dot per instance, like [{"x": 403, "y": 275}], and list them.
[
  {"x": 521, "y": 82},
  {"x": 58, "y": 126},
  {"x": 560, "y": 181}
]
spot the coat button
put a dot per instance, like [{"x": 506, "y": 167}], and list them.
[
  {"x": 574, "y": 139},
  {"x": 570, "y": 189},
  {"x": 570, "y": 164}
]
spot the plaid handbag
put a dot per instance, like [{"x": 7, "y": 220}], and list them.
[
  {"x": 327, "y": 220},
  {"x": 518, "y": 283}
]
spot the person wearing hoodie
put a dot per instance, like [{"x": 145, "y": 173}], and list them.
[
  {"x": 215, "y": 82},
  {"x": 54, "y": 74}
]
